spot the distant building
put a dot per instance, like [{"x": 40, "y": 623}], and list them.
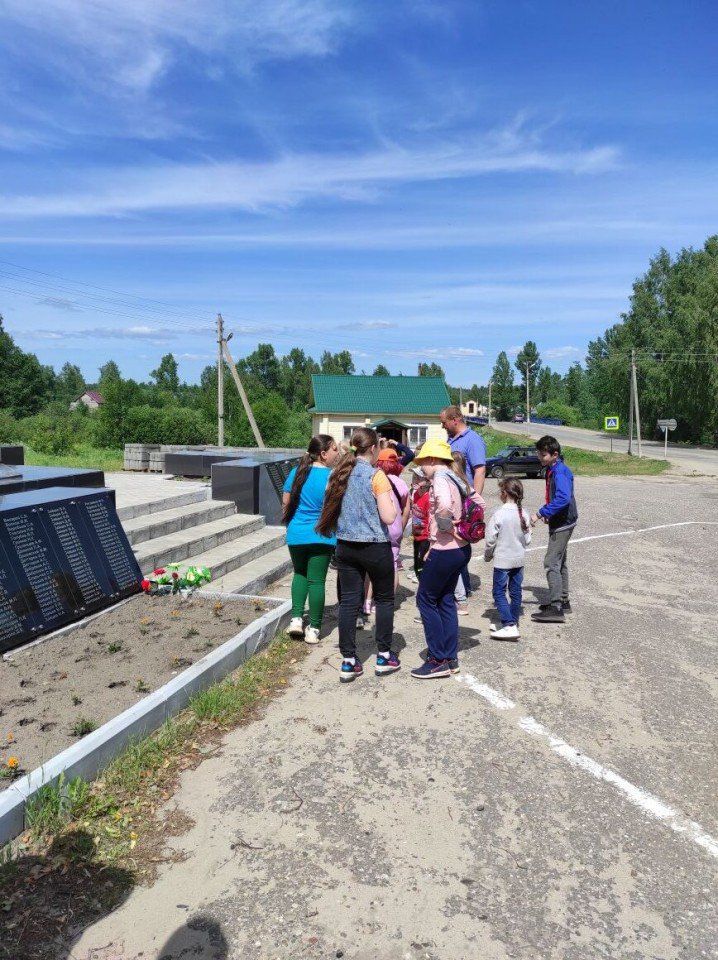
[
  {"x": 472, "y": 408},
  {"x": 399, "y": 408},
  {"x": 90, "y": 398}
]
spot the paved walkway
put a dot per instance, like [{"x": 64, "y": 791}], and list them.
[
  {"x": 556, "y": 801},
  {"x": 136, "y": 490},
  {"x": 687, "y": 459}
]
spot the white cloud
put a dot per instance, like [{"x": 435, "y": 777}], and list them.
[
  {"x": 368, "y": 325},
  {"x": 561, "y": 353},
  {"x": 513, "y": 351},
  {"x": 437, "y": 353},
  {"x": 294, "y": 178},
  {"x": 132, "y": 43},
  {"x": 60, "y": 303}
]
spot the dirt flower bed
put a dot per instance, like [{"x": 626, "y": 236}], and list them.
[{"x": 60, "y": 690}]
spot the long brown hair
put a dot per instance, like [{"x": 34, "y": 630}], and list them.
[
  {"x": 317, "y": 446},
  {"x": 363, "y": 439},
  {"x": 514, "y": 490},
  {"x": 458, "y": 468}
]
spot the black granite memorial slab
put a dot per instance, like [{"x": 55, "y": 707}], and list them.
[
  {"x": 12, "y": 454},
  {"x": 63, "y": 555},
  {"x": 254, "y": 483},
  {"x": 37, "y": 478}
]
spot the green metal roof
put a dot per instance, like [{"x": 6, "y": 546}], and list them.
[
  {"x": 371, "y": 395},
  {"x": 387, "y": 421}
]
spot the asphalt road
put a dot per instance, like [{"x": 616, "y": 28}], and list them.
[
  {"x": 688, "y": 459},
  {"x": 555, "y": 801}
]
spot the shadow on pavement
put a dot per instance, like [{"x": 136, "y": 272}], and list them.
[{"x": 200, "y": 937}]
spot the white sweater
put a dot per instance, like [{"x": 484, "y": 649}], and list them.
[{"x": 506, "y": 542}]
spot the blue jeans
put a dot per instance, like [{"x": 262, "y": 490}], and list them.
[
  {"x": 436, "y": 603},
  {"x": 513, "y": 579}
]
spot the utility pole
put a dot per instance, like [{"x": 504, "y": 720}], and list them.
[
  {"x": 220, "y": 381},
  {"x": 489, "y": 410},
  {"x": 242, "y": 394},
  {"x": 634, "y": 382},
  {"x": 528, "y": 402},
  {"x": 630, "y": 405}
]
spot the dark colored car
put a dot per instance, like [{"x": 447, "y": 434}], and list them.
[{"x": 515, "y": 461}]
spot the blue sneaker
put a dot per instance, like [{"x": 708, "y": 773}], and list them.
[
  {"x": 350, "y": 671},
  {"x": 432, "y": 669},
  {"x": 388, "y": 664},
  {"x": 454, "y": 665}
]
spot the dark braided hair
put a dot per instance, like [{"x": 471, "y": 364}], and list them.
[
  {"x": 317, "y": 446},
  {"x": 514, "y": 490}
]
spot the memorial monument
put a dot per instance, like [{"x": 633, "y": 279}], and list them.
[{"x": 63, "y": 555}]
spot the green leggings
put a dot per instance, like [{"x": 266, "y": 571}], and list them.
[{"x": 310, "y": 562}]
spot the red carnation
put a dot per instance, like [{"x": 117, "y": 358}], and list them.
[
  {"x": 159, "y": 571},
  {"x": 146, "y": 586},
  {"x": 175, "y": 576}
]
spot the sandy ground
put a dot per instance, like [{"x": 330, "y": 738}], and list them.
[
  {"x": 97, "y": 670},
  {"x": 393, "y": 819}
]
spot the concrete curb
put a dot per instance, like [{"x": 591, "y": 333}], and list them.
[{"x": 91, "y": 754}]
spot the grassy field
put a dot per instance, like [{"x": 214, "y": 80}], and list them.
[
  {"x": 584, "y": 463},
  {"x": 85, "y": 456}
]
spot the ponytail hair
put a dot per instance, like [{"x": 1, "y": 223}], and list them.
[
  {"x": 317, "y": 446},
  {"x": 458, "y": 468},
  {"x": 363, "y": 439},
  {"x": 514, "y": 490}
]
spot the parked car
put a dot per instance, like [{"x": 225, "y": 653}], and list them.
[
  {"x": 515, "y": 461},
  {"x": 518, "y": 418}
]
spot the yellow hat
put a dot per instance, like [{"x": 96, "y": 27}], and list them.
[{"x": 435, "y": 448}]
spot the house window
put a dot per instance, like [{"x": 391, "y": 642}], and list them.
[
  {"x": 472, "y": 407},
  {"x": 348, "y": 429},
  {"x": 417, "y": 436}
]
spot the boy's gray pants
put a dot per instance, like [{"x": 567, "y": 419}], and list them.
[{"x": 555, "y": 564}]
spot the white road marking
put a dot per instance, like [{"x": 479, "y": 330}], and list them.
[
  {"x": 628, "y": 533},
  {"x": 640, "y": 798}
]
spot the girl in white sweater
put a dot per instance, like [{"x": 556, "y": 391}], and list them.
[{"x": 508, "y": 533}]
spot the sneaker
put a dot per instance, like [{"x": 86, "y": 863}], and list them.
[
  {"x": 350, "y": 671},
  {"x": 510, "y": 632},
  {"x": 432, "y": 669},
  {"x": 552, "y": 614},
  {"x": 566, "y": 606},
  {"x": 360, "y": 623},
  {"x": 296, "y": 627},
  {"x": 462, "y": 609},
  {"x": 311, "y": 635},
  {"x": 388, "y": 664},
  {"x": 417, "y": 619},
  {"x": 413, "y": 577},
  {"x": 454, "y": 666}
]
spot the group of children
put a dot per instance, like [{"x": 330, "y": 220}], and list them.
[{"x": 358, "y": 511}]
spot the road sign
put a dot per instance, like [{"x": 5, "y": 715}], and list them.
[
  {"x": 611, "y": 423},
  {"x": 667, "y": 424}
]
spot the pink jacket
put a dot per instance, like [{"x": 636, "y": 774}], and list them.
[{"x": 445, "y": 501}]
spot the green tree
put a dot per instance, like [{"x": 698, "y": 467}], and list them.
[
  {"x": 70, "y": 383},
  {"x": 431, "y": 370},
  {"x": 166, "y": 376},
  {"x": 528, "y": 355},
  {"x": 337, "y": 363},
  {"x": 295, "y": 380},
  {"x": 503, "y": 394},
  {"x": 381, "y": 371},
  {"x": 26, "y": 385},
  {"x": 109, "y": 373}
]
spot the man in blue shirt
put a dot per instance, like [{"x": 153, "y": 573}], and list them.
[{"x": 464, "y": 440}]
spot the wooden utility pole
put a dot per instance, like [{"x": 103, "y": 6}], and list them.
[
  {"x": 242, "y": 394},
  {"x": 634, "y": 384},
  {"x": 528, "y": 401},
  {"x": 630, "y": 407},
  {"x": 220, "y": 381},
  {"x": 489, "y": 411}
]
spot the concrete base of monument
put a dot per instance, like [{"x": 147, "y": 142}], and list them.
[{"x": 93, "y": 752}]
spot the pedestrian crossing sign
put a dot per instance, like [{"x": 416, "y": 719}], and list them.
[{"x": 610, "y": 423}]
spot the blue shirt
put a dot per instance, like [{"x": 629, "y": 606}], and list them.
[
  {"x": 311, "y": 500},
  {"x": 473, "y": 447}
]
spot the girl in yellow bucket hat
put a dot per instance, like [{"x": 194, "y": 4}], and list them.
[{"x": 447, "y": 555}]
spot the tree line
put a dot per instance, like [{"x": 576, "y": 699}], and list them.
[{"x": 672, "y": 324}]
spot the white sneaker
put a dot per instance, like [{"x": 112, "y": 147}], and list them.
[
  {"x": 505, "y": 633},
  {"x": 360, "y": 623},
  {"x": 296, "y": 627},
  {"x": 413, "y": 577},
  {"x": 311, "y": 635},
  {"x": 462, "y": 609}
]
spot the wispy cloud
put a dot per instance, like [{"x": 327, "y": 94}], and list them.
[
  {"x": 368, "y": 325},
  {"x": 437, "y": 353},
  {"x": 60, "y": 303},
  {"x": 562, "y": 353},
  {"x": 295, "y": 178}
]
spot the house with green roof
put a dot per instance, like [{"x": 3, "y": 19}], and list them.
[{"x": 399, "y": 408}]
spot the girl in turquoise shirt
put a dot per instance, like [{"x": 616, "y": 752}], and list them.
[{"x": 302, "y": 500}]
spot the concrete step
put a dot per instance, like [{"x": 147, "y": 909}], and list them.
[
  {"x": 197, "y": 541},
  {"x": 132, "y": 510},
  {"x": 164, "y": 522},
  {"x": 254, "y": 577},
  {"x": 248, "y": 550}
]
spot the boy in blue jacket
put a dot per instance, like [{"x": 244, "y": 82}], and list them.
[{"x": 561, "y": 515}]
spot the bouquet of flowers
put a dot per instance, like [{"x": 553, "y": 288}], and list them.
[{"x": 173, "y": 579}]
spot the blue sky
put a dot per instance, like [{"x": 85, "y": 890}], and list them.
[{"x": 410, "y": 180}]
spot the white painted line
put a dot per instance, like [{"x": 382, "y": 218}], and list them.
[
  {"x": 640, "y": 798},
  {"x": 628, "y": 533}
]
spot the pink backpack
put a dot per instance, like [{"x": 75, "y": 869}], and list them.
[{"x": 471, "y": 526}]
